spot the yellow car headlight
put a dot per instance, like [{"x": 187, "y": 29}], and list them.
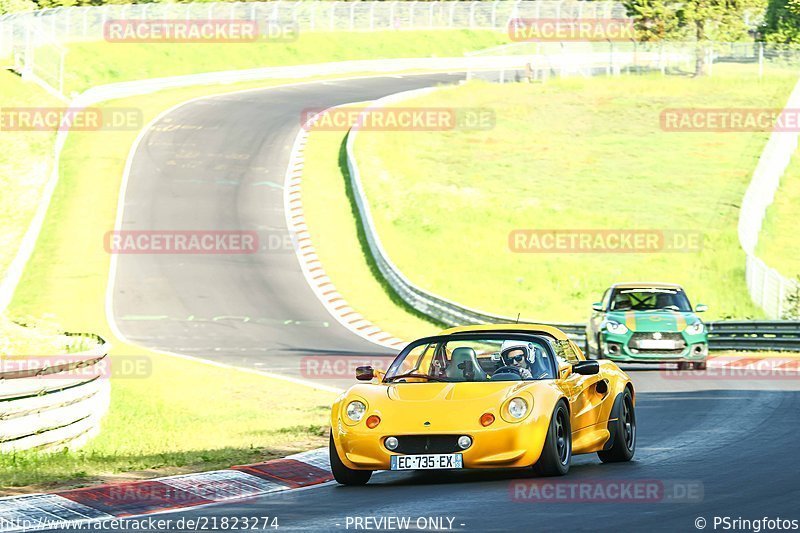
[
  {"x": 518, "y": 408},
  {"x": 356, "y": 410}
]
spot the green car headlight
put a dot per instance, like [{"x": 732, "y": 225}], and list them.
[
  {"x": 616, "y": 328},
  {"x": 695, "y": 329}
]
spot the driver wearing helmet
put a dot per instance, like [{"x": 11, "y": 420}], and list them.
[{"x": 518, "y": 355}]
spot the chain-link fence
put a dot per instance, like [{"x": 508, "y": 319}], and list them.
[
  {"x": 66, "y": 25},
  {"x": 35, "y": 42},
  {"x": 541, "y": 60}
]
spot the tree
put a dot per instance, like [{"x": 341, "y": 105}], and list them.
[
  {"x": 655, "y": 20},
  {"x": 782, "y": 22},
  {"x": 15, "y": 6},
  {"x": 701, "y": 21}
]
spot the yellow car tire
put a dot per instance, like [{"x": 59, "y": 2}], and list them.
[
  {"x": 623, "y": 430},
  {"x": 557, "y": 451}
]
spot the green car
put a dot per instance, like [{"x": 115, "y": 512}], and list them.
[{"x": 647, "y": 323}]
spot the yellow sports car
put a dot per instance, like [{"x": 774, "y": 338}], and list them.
[{"x": 492, "y": 396}]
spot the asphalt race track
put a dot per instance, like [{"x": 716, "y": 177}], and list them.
[
  {"x": 716, "y": 453},
  {"x": 710, "y": 447},
  {"x": 219, "y": 164}
]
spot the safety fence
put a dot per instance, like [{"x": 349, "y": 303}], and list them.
[
  {"x": 768, "y": 288},
  {"x": 67, "y": 24},
  {"x": 542, "y": 60},
  {"x": 37, "y": 41},
  {"x": 49, "y": 402},
  {"x": 538, "y": 61}
]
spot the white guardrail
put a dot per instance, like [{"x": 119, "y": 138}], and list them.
[
  {"x": 767, "y": 287},
  {"x": 50, "y": 402}
]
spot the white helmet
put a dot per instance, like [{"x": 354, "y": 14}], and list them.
[{"x": 528, "y": 347}]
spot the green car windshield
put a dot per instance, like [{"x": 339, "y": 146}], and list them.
[{"x": 650, "y": 300}]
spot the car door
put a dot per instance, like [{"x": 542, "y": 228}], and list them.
[{"x": 586, "y": 394}]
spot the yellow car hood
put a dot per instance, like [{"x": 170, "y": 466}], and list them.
[
  {"x": 448, "y": 407},
  {"x": 459, "y": 392}
]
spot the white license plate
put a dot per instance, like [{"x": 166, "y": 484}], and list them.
[
  {"x": 656, "y": 344},
  {"x": 427, "y": 462}
]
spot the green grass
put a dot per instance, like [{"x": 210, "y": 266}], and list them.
[
  {"x": 570, "y": 154},
  {"x": 24, "y": 170},
  {"x": 94, "y": 63},
  {"x": 778, "y": 244}
]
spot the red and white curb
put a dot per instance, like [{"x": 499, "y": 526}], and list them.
[
  {"x": 318, "y": 280},
  {"x": 137, "y": 498}
]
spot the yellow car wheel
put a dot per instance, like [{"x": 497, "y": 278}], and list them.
[
  {"x": 623, "y": 430},
  {"x": 557, "y": 451}
]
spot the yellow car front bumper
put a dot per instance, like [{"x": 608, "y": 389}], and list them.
[{"x": 501, "y": 445}]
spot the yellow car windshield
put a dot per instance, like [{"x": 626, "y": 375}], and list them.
[{"x": 473, "y": 359}]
